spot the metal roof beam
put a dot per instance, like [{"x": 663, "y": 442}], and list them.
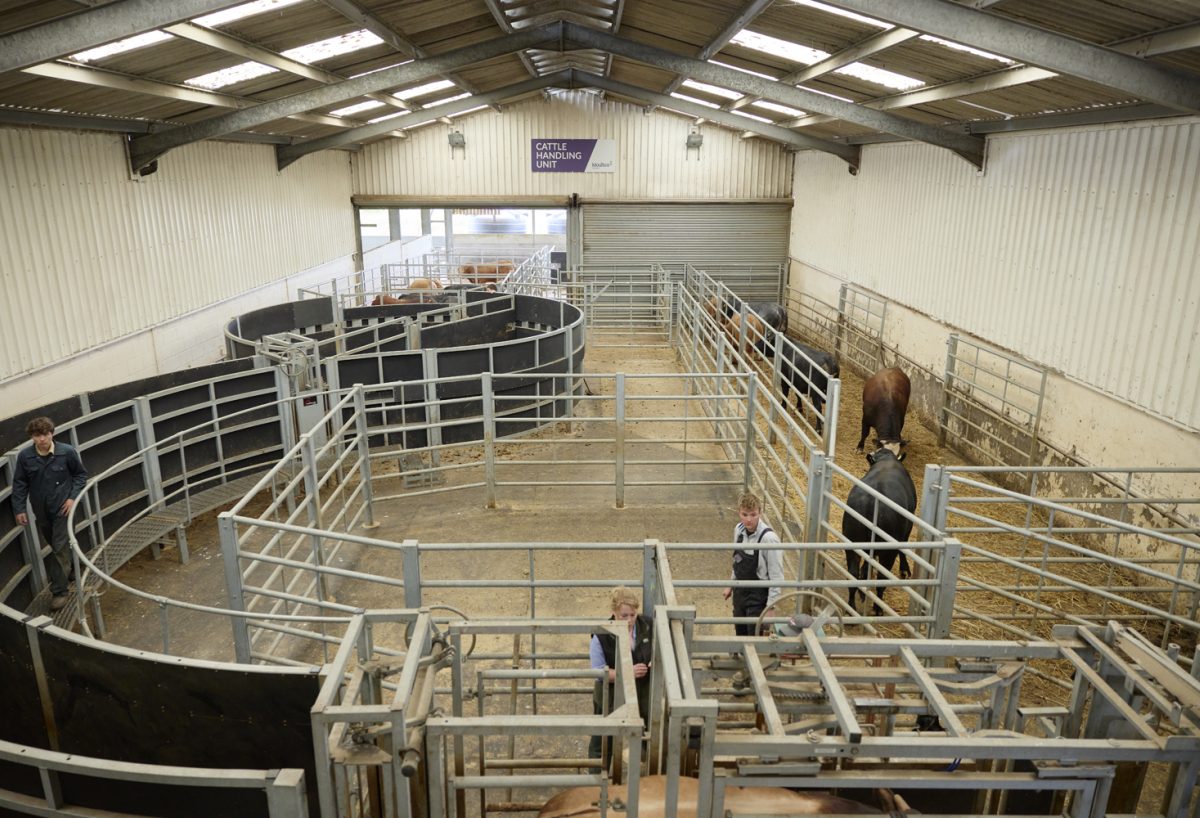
[
  {"x": 103, "y": 78},
  {"x": 144, "y": 149},
  {"x": 233, "y": 45},
  {"x": 1037, "y": 46},
  {"x": 502, "y": 21},
  {"x": 1175, "y": 39},
  {"x": 355, "y": 13},
  {"x": 95, "y": 26},
  {"x": 859, "y": 51},
  {"x": 773, "y": 132},
  {"x": 748, "y": 13},
  {"x": 287, "y": 154},
  {"x": 124, "y": 125},
  {"x": 1102, "y": 116},
  {"x": 966, "y": 146}
]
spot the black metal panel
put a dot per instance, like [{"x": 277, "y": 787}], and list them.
[
  {"x": 12, "y": 560},
  {"x": 111, "y": 395},
  {"x": 163, "y": 801},
  {"x": 133, "y": 708},
  {"x": 98, "y": 457},
  {"x": 22, "y": 722},
  {"x": 124, "y": 483},
  {"x": 311, "y": 312},
  {"x": 263, "y": 379},
  {"x": 275, "y": 318},
  {"x": 545, "y": 311},
  {"x": 486, "y": 329},
  {"x": 12, "y": 429}
]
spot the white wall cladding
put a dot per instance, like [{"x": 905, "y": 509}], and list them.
[
  {"x": 90, "y": 256},
  {"x": 1079, "y": 249},
  {"x": 652, "y": 160}
]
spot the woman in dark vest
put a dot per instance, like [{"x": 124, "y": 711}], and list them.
[{"x": 604, "y": 657}]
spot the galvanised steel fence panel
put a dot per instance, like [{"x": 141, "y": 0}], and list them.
[
  {"x": 626, "y": 306},
  {"x": 787, "y": 370},
  {"x": 862, "y": 316},
  {"x": 1050, "y": 557},
  {"x": 991, "y": 402}
]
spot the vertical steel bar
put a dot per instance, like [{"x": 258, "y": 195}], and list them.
[
  {"x": 489, "y": 436},
  {"x": 364, "y": 454},
  {"x": 619, "y": 439},
  {"x": 947, "y": 387},
  {"x": 227, "y": 531}
]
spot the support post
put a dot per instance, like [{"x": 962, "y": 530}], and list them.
[
  {"x": 833, "y": 404},
  {"x": 748, "y": 454},
  {"x": 943, "y": 602},
  {"x": 619, "y": 443},
  {"x": 816, "y": 508},
  {"x": 364, "y": 454},
  {"x": 947, "y": 386},
  {"x": 286, "y": 797},
  {"x": 227, "y": 530},
  {"x": 489, "y": 436},
  {"x": 151, "y": 473},
  {"x": 411, "y": 558}
]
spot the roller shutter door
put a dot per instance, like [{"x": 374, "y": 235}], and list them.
[{"x": 671, "y": 234}]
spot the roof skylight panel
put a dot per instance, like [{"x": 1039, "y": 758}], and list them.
[
  {"x": 777, "y": 108},
  {"x": 357, "y": 108},
  {"x": 703, "y": 102},
  {"x": 420, "y": 90},
  {"x": 148, "y": 38},
  {"x": 796, "y": 52},
  {"x": 871, "y": 21},
  {"x": 469, "y": 110},
  {"x": 308, "y": 54},
  {"x": 715, "y": 90},
  {"x": 218, "y": 18},
  {"x": 743, "y": 70},
  {"x": 754, "y": 116},
  {"x": 121, "y": 46},
  {"x": 987, "y": 55}
]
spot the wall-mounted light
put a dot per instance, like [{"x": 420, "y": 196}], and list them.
[
  {"x": 457, "y": 140},
  {"x": 695, "y": 139}
]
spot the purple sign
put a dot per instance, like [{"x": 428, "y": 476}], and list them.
[{"x": 573, "y": 155}]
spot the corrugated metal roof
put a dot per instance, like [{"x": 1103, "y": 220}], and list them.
[{"x": 149, "y": 83}]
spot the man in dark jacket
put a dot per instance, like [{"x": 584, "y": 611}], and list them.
[{"x": 47, "y": 481}]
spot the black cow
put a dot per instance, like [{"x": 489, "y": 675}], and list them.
[
  {"x": 888, "y": 477},
  {"x": 807, "y": 370}
]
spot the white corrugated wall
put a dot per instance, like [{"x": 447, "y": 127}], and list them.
[
  {"x": 1079, "y": 248},
  {"x": 90, "y": 256},
  {"x": 652, "y": 159}
]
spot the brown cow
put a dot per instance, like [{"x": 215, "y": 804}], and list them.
[
  {"x": 885, "y": 400},
  {"x": 581, "y": 802},
  {"x": 486, "y": 273},
  {"x": 410, "y": 298}
]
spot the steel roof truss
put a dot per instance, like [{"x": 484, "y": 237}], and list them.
[
  {"x": 968, "y": 147},
  {"x": 751, "y": 10},
  {"x": 95, "y": 26},
  {"x": 145, "y": 149},
  {"x": 287, "y": 154},
  {"x": 1165, "y": 42},
  {"x": 849, "y": 153},
  {"x": 1037, "y": 46}
]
